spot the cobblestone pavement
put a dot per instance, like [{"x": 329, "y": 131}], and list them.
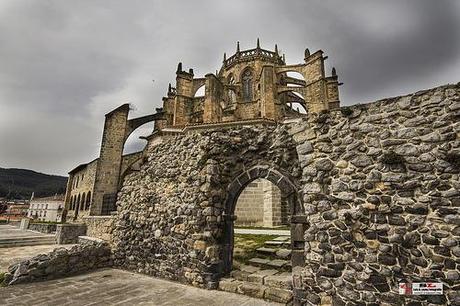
[
  {"x": 12, "y": 255},
  {"x": 118, "y": 287}
]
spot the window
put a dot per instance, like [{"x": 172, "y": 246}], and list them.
[
  {"x": 88, "y": 201},
  {"x": 231, "y": 93},
  {"x": 247, "y": 85}
]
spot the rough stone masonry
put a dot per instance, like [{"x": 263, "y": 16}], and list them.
[{"x": 374, "y": 192}]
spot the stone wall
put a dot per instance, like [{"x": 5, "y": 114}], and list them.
[
  {"x": 378, "y": 218},
  {"x": 99, "y": 227},
  {"x": 80, "y": 186},
  {"x": 378, "y": 183},
  {"x": 170, "y": 213},
  {"x": 260, "y": 204},
  {"x": 42, "y": 227},
  {"x": 250, "y": 206},
  {"x": 68, "y": 233},
  {"x": 92, "y": 254}
]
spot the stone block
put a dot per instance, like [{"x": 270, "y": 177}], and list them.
[
  {"x": 240, "y": 275},
  {"x": 250, "y": 269},
  {"x": 282, "y": 281},
  {"x": 278, "y": 295},
  {"x": 252, "y": 289},
  {"x": 277, "y": 263},
  {"x": 68, "y": 233},
  {"x": 268, "y": 251},
  {"x": 229, "y": 285},
  {"x": 258, "y": 277},
  {"x": 283, "y": 253},
  {"x": 259, "y": 261},
  {"x": 24, "y": 223}
]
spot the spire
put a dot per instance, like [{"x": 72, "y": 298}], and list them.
[
  {"x": 237, "y": 47},
  {"x": 334, "y": 72},
  {"x": 276, "y": 48},
  {"x": 169, "y": 88},
  {"x": 284, "y": 58},
  {"x": 307, "y": 53},
  {"x": 225, "y": 56},
  {"x": 179, "y": 67},
  {"x": 190, "y": 71},
  {"x": 258, "y": 43}
]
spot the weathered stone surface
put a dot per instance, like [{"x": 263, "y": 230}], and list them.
[
  {"x": 283, "y": 281},
  {"x": 259, "y": 276},
  {"x": 91, "y": 254},
  {"x": 229, "y": 285},
  {"x": 278, "y": 295},
  {"x": 252, "y": 289},
  {"x": 398, "y": 219}
]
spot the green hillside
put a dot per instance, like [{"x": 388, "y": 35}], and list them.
[{"x": 20, "y": 183}]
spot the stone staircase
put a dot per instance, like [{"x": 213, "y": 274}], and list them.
[
  {"x": 27, "y": 241},
  {"x": 267, "y": 276}
]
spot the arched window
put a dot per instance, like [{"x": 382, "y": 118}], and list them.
[
  {"x": 231, "y": 93},
  {"x": 83, "y": 201},
  {"x": 77, "y": 203},
  {"x": 247, "y": 85},
  {"x": 88, "y": 200}
]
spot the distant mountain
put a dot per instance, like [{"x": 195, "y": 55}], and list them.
[{"x": 20, "y": 183}]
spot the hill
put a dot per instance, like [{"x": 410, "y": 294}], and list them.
[{"x": 20, "y": 183}]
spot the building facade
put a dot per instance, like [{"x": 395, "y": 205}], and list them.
[
  {"x": 253, "y": 86},
  {"x": 48, "y": 209}
]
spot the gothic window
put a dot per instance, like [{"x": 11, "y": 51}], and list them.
[
  {"x": 231, "y": 93},
  {"x": 247, "y": 85}
]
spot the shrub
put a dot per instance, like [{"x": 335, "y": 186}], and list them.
[{"x": 392, "y": 158}]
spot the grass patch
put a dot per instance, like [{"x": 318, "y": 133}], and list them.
[
  {"x": 246, "y": 244},
  {"x": 2, "y": 279},
  {"x": 284, "y": 227}
]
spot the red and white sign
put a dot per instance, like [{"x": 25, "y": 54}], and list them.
[{"x": 420, "y": 288}]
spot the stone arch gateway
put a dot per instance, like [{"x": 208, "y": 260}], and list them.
[{"x": 289, "y": 192}]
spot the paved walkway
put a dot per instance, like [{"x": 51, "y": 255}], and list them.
[
  {"x": 262, "y": 231},
  {"x": 10, "y": 256},
  {"x": 118, "y": 287},
  {"x": 13, "y": 254},
  {"x": 11, "y": 232}
]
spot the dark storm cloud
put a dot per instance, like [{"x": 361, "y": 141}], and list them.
[{"x": 64, "y": 64}]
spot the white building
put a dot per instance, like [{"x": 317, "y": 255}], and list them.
[{"x": 47, "y": 209}]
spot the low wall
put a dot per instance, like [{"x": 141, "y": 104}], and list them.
[
  {"x": 68, "y": 233},
  {"x": 15, "y": 223},
  {"x": 42, "y": 227},
  {"x": 92, "y": 254},
  {"x": 100, "y": 227}
]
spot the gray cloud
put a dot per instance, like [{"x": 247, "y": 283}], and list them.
[{"x": 64, "y": 64}]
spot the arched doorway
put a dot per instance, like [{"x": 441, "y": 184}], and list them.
[
  {"x": 289, "y": 194},
  {"x": 260, "y": 205}
]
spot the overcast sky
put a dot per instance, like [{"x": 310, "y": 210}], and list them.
[{"x": 65, "y": 63}]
